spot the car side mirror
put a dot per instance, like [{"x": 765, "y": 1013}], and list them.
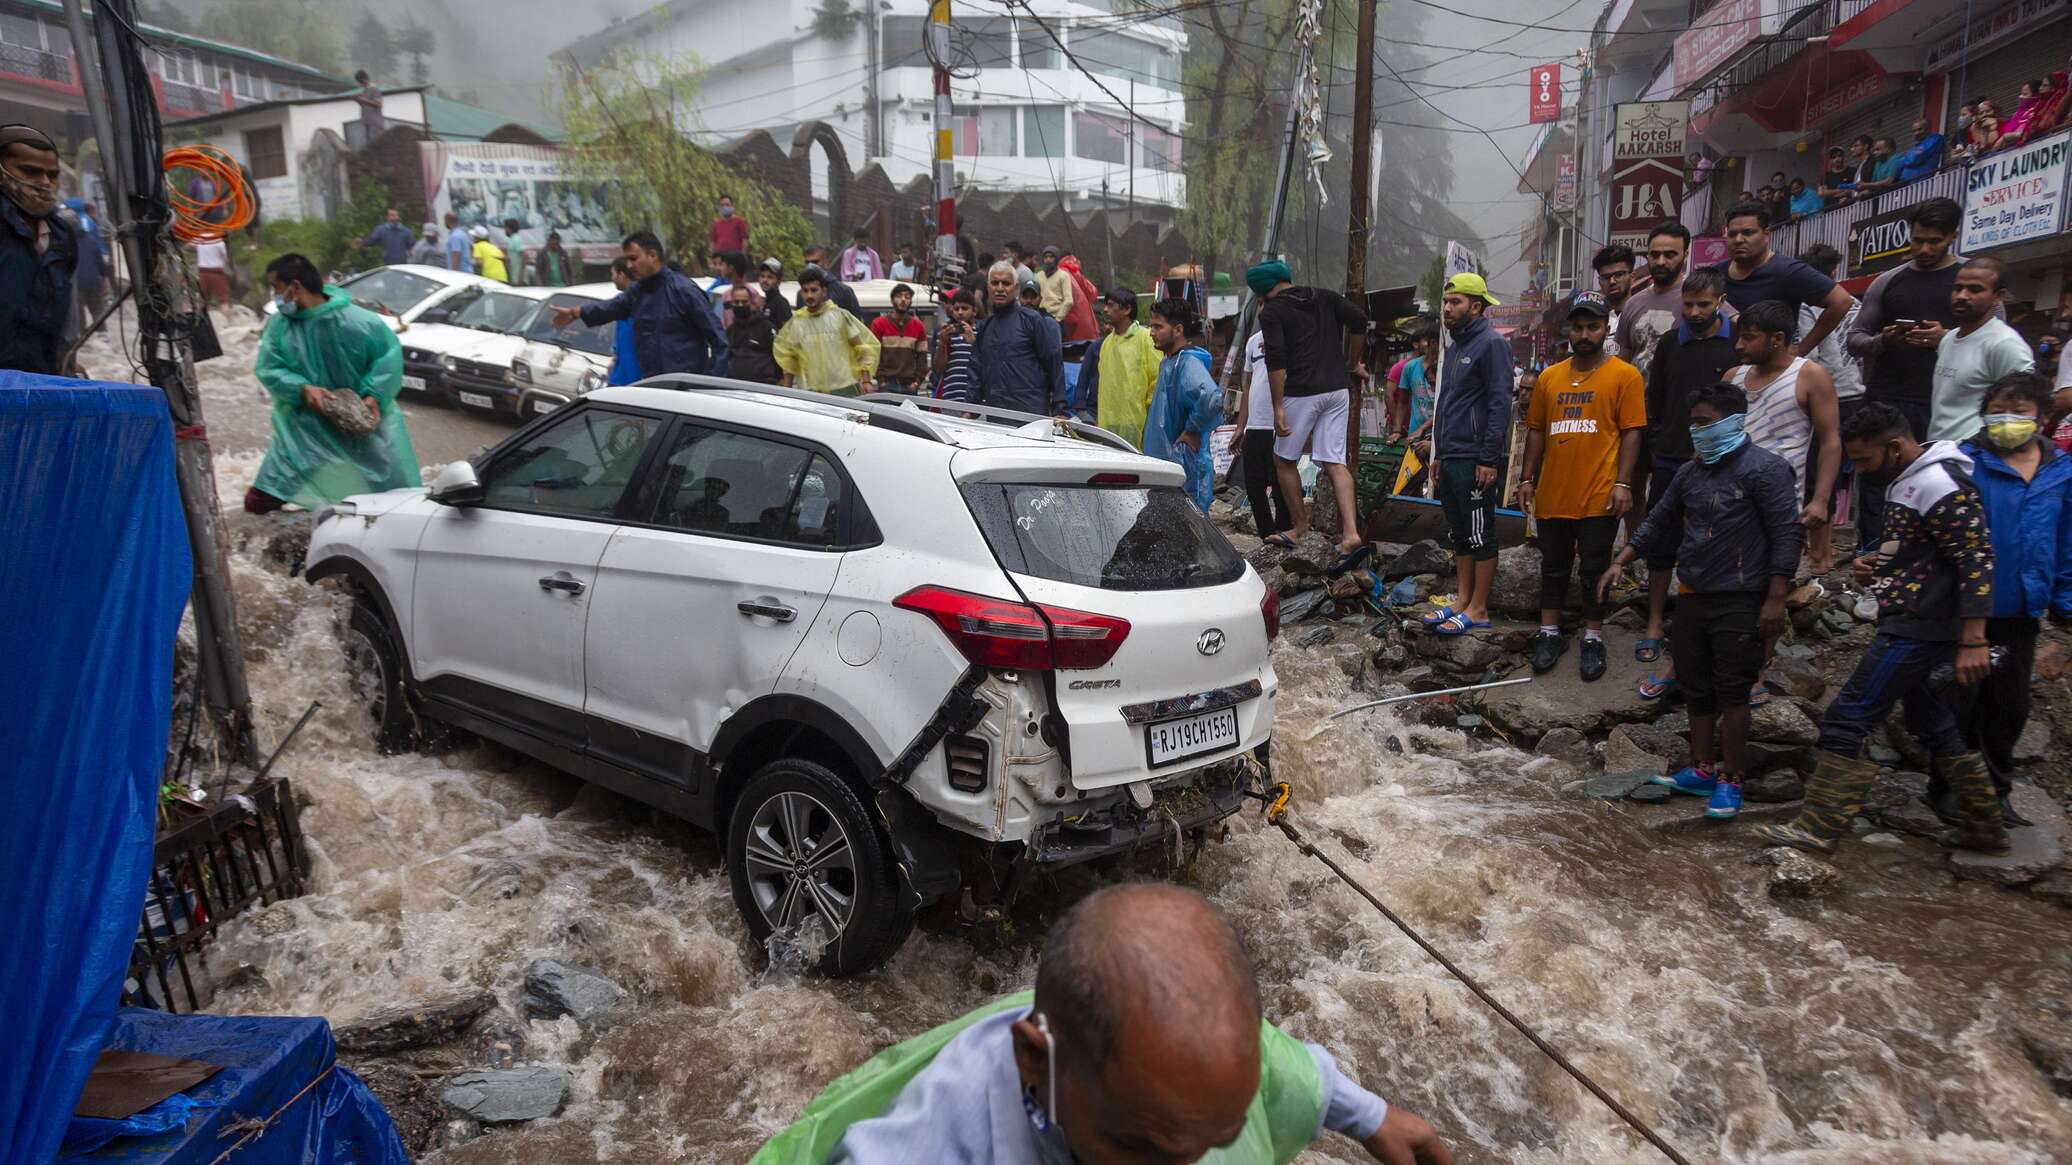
[
  {"x": 457, "y": 485},
  {"x": 437, "y": 315}
]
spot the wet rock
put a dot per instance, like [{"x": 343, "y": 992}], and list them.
[
  {"x": 1903, "y": 742},
  {"x": 1777, "y": 758},
  {"x": 1391, "y": 657},
  {"x": 1650, "y": 794},
  {"x": 1796, "y": 677},
  {"x": 2051, "y": 658},
  {"x": 1299, "y": 565},
  {"x": 1678, "y": 722},
  {"x": 554, "y": 989},
  {"x": 1628, "y": 618},
  {"x": 504, "y": 1095},
  {"x": 1893, "y": 789},
  {"x": 1614, "y": 786},
  {"x": 1623, "y": 754},
  {"x": 1517, "y": 587},
  {"x": 1773, "y": 788},
  {"x": 1781, "y": 722},
  {"x": 1316, "y": 637},
  {"x": 1796, "y": 876},
  {"x": 1811, "y": 594},
  {"x": 458, "y": 1131},
  {"x": 1426, "y": 557},
  {"x": 2033, "y": 850},
  {"x": 2049, "y": 1047},
  {"x": 2055, "y": 887},
  {"x": 1548, "y": 770},
  {"x": 1884, "y": 840},
  {"x": 1469, "y": 654},
  {"x": 1296, "y": 608},
  {"x": 2034, "y": 743},
  {"x": 498, "y": 1042},
  {"x": 1567, "y": 745},
  {"x": 414, "y": 1023},
  {"x": 1876, "y": 749},
  {"x": 1527, "y": 712},
  {"x": 411, "y": 1100}
]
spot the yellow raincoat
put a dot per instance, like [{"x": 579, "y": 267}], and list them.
[
  {"x": 1129, "y": 373},
  {"x": 827, "y": 350},
  {"x": 336, "y": 344}
]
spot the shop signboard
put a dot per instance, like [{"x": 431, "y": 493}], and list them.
[
  {"x": 1565, "y": 182},
  {"x": 1713, "y": 39},
  {"x": 1647, "y": 167},
  {"x": 2017, "y": 195},
  {"x": 484, "y": 184},
  {"x": 1880, "y": 242},
  {"x": 1708, "y": 251},
  {"x": 1545, "y": 101},
  {"x": 1989, "y": 29}
]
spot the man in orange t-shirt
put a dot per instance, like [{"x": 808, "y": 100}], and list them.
[{"x": 1582, "y": 443}]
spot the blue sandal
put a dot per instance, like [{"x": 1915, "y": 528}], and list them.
[
  {"x": 1434, "y": 618},
  {"x": 1459, "y": 624},
  {"x": 1647, "y": 650}
]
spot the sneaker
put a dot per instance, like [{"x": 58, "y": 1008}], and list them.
[
  {"x": 1689, "y": 779},
  {"x": 1591, "y": 660},
  {"x": 1547, "y": 650},
  {"x": 1726, "y": 801}
]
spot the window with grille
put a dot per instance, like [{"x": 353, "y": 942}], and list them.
[{"x": 266, "y": 153}]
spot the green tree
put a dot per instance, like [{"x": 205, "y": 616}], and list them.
[
  {"x": 300, "y": 30},
  {"x": 835, "y": 20},
  {"x": 416, "y": 41},
  {"x": 621, "y": 122},
  {"x": 372, "y": 48}
]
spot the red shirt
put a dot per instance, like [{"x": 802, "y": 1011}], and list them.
[
  {"x": 885, "y": 327},
  {"x": 729, "y": 234}
]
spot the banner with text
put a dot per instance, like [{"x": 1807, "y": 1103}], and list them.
[
  {"x": 1647, "y": 167},
  {"x": 486, "y": 184},
  {"x": 1545, "y": 81},
  {"x": 1880, "y": 242},
  {"x": 2016, "y": 196},
  {"x": 1712, "y": 40},
  {"x": 1565, "y": 182}
]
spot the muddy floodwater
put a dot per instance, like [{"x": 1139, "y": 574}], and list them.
[{"x": 1872, "y": 1027}]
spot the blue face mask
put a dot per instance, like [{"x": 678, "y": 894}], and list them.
[
  {"x": 1716, "y": 440},
  {"x": 284, "y": 305}
]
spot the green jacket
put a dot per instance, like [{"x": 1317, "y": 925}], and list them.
[{"x": 336, "y": 344}]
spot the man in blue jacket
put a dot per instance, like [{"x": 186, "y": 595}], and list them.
[
  {"x": 394, "y": 239},
  {"x": 2024, "y": 483},
  {"x": 38, "y": 253},
  {"x": 1019, "y": 353},
  {"x": 674, "y": 328},
  {"x": 1471, "y": 439}
]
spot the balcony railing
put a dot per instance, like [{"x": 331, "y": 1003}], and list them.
[
  {"x": 1830, "y": 226},
  {"x": 179, "y": 95},
  {"x": 23, "y": 61}
]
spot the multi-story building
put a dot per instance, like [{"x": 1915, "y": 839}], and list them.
[
  {"x": 190, "y": 75},
  {"x": 1772, "y": 85},
  {"x": 1026, "y": 118}
]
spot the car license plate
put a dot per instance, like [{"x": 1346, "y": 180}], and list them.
[
  {"x": 477, "y": 399},
  {"x": 416, "y": 382},
  {"x": 543, "y": 407},
  {"x": 1176, "y": 740}
]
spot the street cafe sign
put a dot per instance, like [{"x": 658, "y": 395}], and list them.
[
  {"x": 2016, "y": 196},
  {"x": 1713, "y": 39}
]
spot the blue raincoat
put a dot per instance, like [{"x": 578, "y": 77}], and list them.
[{"x": 1186, "y": 400}]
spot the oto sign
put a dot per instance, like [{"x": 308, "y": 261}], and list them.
[
  {"x": 2016, "y": 196},
  {"x": 1647, "y": 167},
  {"x": 1545, "y": 82}
]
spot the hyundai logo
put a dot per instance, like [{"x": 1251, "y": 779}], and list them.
[{"x": 1211, "y": 641}]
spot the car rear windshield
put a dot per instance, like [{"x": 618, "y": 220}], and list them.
[{"x": 1117, "y": 538}]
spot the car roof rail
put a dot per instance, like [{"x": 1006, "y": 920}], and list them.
[
  {"x": 889, "y": 418},
  {"x": 994, "y": 414}
]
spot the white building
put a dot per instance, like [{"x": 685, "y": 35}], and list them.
[{"x": 1026, "y": 118}]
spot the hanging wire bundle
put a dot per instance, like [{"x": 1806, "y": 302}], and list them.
[{"x": 196, "y": 220}]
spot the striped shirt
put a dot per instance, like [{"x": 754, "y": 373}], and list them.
[
  {"x": 955, "y": 383},
  {"x": 1775, "y": 420}
]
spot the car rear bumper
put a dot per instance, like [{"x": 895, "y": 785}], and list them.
[{"x": 1213, "y": 793}]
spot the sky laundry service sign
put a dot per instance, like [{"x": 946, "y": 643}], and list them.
[{"x": 2016, "y": 196}]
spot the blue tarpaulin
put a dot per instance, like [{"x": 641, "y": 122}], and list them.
[
  {"x": 94, "y": 573},
  {"x": 281, "y": 1089}
]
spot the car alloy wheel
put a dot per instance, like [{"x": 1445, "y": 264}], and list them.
[{"x": 800, "y": 864}]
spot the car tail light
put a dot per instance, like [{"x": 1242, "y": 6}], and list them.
[
  {"x": 1270, "y": 610},
  {"x": 998, "y": 633},
  {"x": 1112, "y": 479}
]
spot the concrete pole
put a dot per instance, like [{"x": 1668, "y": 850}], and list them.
[{"x": 1359, "y": 227}]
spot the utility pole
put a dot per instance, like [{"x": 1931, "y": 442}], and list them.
[
  {"x": 105, "y": 62},
  {"x": 1360, "y": 215},
  {"x": 949, "y": 267}
]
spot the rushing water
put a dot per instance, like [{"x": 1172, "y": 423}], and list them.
[{"x": 1871, "y": 1027}]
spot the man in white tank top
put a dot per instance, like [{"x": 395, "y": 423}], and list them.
[{"x": 1792, "y": 412}]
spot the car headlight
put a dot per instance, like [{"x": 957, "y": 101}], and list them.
[
  {"x": 590, "y": 382},
  {"x": 521, "y": 372},
  {"x": 448, "y": 363}
]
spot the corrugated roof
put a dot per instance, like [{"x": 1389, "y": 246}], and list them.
[
  {"x": 452, "y": 120},
  {"x": 167, "y": 35}
]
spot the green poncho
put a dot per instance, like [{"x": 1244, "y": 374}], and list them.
[{"x": 333, "y": 345}]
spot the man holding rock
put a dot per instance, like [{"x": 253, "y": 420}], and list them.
[
  {"x": 1730, "y": 522},
  {"x": 1582, "y": 448}
]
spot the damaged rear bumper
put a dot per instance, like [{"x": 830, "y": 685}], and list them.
[{"x": 1120, "y": 826}]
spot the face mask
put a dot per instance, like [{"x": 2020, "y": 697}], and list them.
[
  {"x": 284, "y": 305},
  {"x": 2009, "y": 430},
  {"x": 36, "y": 199},
  {"x": 1716, "y": 440},
  {"x": 1963, "y": 121},
  {"x": 726, "y": 212}
]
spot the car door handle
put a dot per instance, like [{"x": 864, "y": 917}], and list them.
[
  {"x": 562, "y": 581},
  {"x": 777, "y": 611}
]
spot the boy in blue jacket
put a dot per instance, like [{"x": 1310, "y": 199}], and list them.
[
  {"x": 1186, "y": 406},
  {"x": 2026, "y": 487}
]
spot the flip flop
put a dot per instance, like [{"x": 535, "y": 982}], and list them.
[
  {"x": 1758, "y": 695},
  {"x": 1434, "y": 618},
  {"x": 1458, "y": 625},
  {"x": 1655, "y": 687},
  {"x": 1279, "y": 541},
  {"x": 1350, "y": 559},
  {"x": 1647, "y": 650}
]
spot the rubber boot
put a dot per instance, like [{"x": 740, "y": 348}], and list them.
[
  {"x": 1834, "y": 795},
  {"x": 1983, "y": 828}
]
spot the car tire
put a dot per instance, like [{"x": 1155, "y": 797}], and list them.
[
  {"x": 374, "y": 668},
  {"x": 802, "y": 843}
]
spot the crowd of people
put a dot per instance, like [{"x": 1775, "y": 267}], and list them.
[{"x": 1733, "y": 436}]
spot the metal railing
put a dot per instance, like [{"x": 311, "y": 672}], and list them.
[
  {"x": 180, "y": 95},
  {"x": 23, "y": 61},
  {"x": 245, "y": 851},
  {"x": 1832, "y": 226}
]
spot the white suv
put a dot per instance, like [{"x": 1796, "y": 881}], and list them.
[{"x": 888, "y": 651}]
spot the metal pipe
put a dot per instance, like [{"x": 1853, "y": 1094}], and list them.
[{"x": 1425, "y": 695}]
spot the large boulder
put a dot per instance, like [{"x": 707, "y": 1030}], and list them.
[
  {"x": 1560, "y": 698},
  {"x": 1795, "y": 677},
  {"x": 1567, "y": 745},
  {"x": 1781, "y": 722},
  {"x": 1426, "y": 557},
  {"x": 1643, "y": 748},
  {"x": 413, "y": 1023},
  {"x": 1773, "y": 788},
  {"x": 1517, "y": 587},
  {"x": 554, "y": 989},
  {"x": 2033, "y": 850},
  {"x": 504, "y": 1095}
]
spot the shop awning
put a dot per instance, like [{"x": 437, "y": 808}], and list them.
[{"x": 1817, "y": 83}]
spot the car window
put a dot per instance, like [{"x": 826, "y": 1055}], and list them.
[
  {"x": 393, "y": 291},
  {"x": 736, "y": 485},
  {"x": 580, "y": 336},
  {"x": 497, "y": 312},
  {"x": 579, "y": 465},
  {"x": 1117, "y": 538},
  {"x": 817, "y": 506}
]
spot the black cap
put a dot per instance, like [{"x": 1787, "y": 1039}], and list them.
[{"x": 1590, "y": 303}]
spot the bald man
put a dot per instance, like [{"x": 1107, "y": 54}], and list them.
[{"x": 1144, "y": 1042}]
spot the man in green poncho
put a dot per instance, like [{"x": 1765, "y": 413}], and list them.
[
  {"x": 322, "y": 343},
  {"x": 1144, "y": 1042}
]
